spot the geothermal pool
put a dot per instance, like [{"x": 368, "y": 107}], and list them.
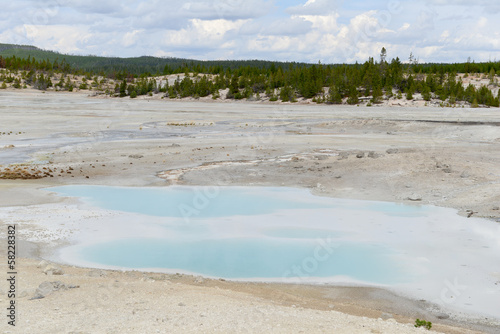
[{"x": 290, "y": 235}]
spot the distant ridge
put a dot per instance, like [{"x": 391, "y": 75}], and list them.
[
  {"x": 134, "y": 65},
  {"x": 17, "y": 47}
]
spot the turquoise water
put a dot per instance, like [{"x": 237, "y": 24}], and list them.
[
  {"x": 243, "y": 233},
  {"x": 300, "y": 233},
  {"x": 186, "y": 201},
  {"x": 249, "y": 258}
]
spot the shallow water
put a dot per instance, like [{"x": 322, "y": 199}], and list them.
[{"x": 289, "y": 235}]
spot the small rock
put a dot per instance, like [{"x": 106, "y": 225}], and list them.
[
  {"x": 42, "y": 264},
  {"x": 199, "y": 280},
  {"x": 97, "y": 273},
  {"x": 415, "y": 197},
  {"x": 53, "y": 270},
  {"x": 321, "y": 157},
  {"x": 175, "y": 145},
  {"x": 372, "y": 155},
  {"x": 496, "y": 208},
  {"x": 392, "y": 151},
  {"x": 442, "y": 316},
  {"x": 447, "y": 170},
  {"x": 343, "y": 155},
  {"x": 360, "y": 155},
  {"x": 469, "y": 213},
  {"x": 46, "y": 288},
  {"x": 464, "y": 174},
  {"x": 181, "y": 304},
  {"x": 386, "y": 316},
  {"x": 136, "y": 156}
]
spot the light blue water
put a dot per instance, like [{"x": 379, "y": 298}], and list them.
[
  {"x": 250, "y": 258},
  {"x": 245, "y": 232},
  {"x": 183, "y": 201}
]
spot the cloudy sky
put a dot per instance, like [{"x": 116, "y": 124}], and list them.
[{"x": 330, "y": 31}]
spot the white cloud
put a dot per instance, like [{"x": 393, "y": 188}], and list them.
[
  {"x": 289, "y": 26},
  {"x": 330, "y": 31},
  {"x": 207, "y": 33},
  {"x": 405, "y": 26},
  {"x": 327, "y": 23},
  {"x": 130, "y": 38},
  {"x": 316, "y": 7},
  {"x": 64, "y": 39},
  {"x": 489, "y": 6}
]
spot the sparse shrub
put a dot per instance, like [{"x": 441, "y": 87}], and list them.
[
  {"x": 353, "y": 96},
  {"x": 423, "y": 323},
  {"x": 452, "y": 99},
  {"x": 388, "y": 92},
  {"x": 474, "y": 104},
  {"x": 16, "y": 84},
  {"x": 409, "y": 95},
  {"x": 216, "y": 95}
]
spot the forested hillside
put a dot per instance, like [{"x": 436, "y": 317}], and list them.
[
  {"x": 333, "y": 84},
  {"x": 109, "y": 66}
]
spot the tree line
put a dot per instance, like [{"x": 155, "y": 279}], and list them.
[{"x": 332, "y": 84}]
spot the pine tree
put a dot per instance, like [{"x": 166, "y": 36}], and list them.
[
  {"x": 376, "y": 94},
  {"x": 383, "y": 55},
  {"x": 426, "y": 93},
  {"x": 334, "y": 96},
  {"x": 474, "y": 103},
  {"x": 409, "y": 94},
  {"x": 353, "y": 96},
  {"x": 123, "y": 88},
  {"x": 388, "y": 91}
]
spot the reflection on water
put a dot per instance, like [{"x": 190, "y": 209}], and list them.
[{"x": 245, "y": 232}]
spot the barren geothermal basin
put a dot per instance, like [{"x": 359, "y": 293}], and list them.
[{"x": 290, "y": 235}]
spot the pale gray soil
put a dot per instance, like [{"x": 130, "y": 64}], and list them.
[{"x": 445, "y": 157}]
